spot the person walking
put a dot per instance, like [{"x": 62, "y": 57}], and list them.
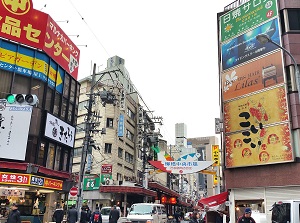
[
  {"x": 84, "y": 215},
  {"x": 58, "y": 215},
  {"x": 114, "y": 215},
  {"x": 246, "y": 217},
  {"x": 195, "y": 217},
  {"x": 96, "y": 216},
  {"x": 177, "y": 216},
  {"x": 72, "y": 215},
  {"x": 14, "y": 215}
]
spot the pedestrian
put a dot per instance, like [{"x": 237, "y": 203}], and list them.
[
  {"x": 195, "y": 217},
  {"x": 72, "y": 214},
  {"x": 96, "y": 216},
  {"x": 84, "y": 215},
  {"x": 58, "y": 215},
  {"x": 114, "y": 215},
  {"x": 246, "y": 217},
  {"x": 14, "y": 215},
  {"x": 177, "y": 216}
]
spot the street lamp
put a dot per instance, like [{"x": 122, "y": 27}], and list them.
[{"x": 264, "y": 38}]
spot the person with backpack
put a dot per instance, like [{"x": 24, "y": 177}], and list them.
[
  {"x": 72, "y": 214},
  {"x": 96, "y": 216}
]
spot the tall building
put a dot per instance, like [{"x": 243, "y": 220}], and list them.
[
  {"x": 37, "y": 136},
  {"x": 117, "y": 170},
  {"x": 260, "y": 103}
]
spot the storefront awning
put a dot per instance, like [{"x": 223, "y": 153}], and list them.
[
  {"x": 214, "y": 200},
  {"x": 156, "y": 185},
  {"x": 128, "y": 190}
]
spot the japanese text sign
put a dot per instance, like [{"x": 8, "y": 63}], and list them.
[
  {"x": 246, "y": 17},
  {"x": 215, "y": 155},
  {"x": 21, "y": 23},
  {"x": 53, "y": 184},
  {"x": 91, "y": 183},
  {"x": 59, "y": 130},
  {"x": 106, "y": 168},
  {"x": 14, "y": 178}
]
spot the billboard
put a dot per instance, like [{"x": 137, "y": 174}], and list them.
[
  {"x": 30, "y": 62},
  {"x": 273, "y": 145},
  {"x": 22, "y": 23},
  {"x": 256, "y": 111},
  {"x": 14, "y": 127},
  {"x": 246, "y": 47},
  {"x": 246, "y": 17},
  {"x": 254, "y": 76}
]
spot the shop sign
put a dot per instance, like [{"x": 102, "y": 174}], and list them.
[
  {"x": 10, "y": 192},
  {"x": 106, "y": 168},
  {"x": 91, "y": 183},
  {"x": 14, "y": 178},
  {"x": 38, "y": 181},
  {"x": 216, "y": 155},
  {"x": 46, "y": 182}
]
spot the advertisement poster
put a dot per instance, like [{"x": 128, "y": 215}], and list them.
[
  {"x": 246, "y": 17},
  {"x": 255, "y": 76},
  {"x": 255, "y": 111},
  {"x": 245, "y": 47},
  {"x": 272, "y": 145}
]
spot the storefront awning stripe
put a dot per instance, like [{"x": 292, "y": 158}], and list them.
[{"x": 214, "y": 200}]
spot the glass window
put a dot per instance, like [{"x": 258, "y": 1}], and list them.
[
  {"x": 49, "y": 97},
  {"x": 70, "y": 113},
  {"x": 66, "y": 85},
  {"x": 72, "y": 90},
  {"x": 120, "y": 153},
  {"x": 77, "y": 93},
  {"x": 109, "y": 122},
  {"x": 50, "y": 157},
  {"x": 294, "y": 19},
  {"x": 129, "y": 135},
  {"x": 21, "y": 85},
  {"x": 5, "y": 83},
  {"x": 57, "y": 158},
  {"x": 82, "y": 105},
  {"x": 80, "y": 127},
  {"x": 107, "y": 148},
  {"x": 57, "y": 101},
  {"x": 77, "y": 152},
  {"x": 63, "y": 109},
  {"x": 41, "y": 154},
  {"x": 65, "y": 163}
]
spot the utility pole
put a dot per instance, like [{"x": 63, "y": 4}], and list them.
[{"x": 86, "y": 143}]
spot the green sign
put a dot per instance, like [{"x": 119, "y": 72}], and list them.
[
  {"x": 105, "y": 177},
  {"x": 246, "y": 16},
  {"x": 91, "y": 183}
]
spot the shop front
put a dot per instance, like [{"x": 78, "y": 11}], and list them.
[{"x": 37, "y": 196}]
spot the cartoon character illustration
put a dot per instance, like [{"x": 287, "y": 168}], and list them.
[
  {"x": 238, "y": 144},
  {"x": 273, "y": 139},
  {"x": 246, "y": 152},
  {"x": 264, "y": 156}
]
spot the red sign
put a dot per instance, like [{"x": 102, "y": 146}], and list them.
[
  {"x": 23, "y": 24},
  {"x": 53, "y": 184},
  {"x": 74, "y": 191},
  {"x": 14, "y": 178},
  {"x": 106, "y": 168}
]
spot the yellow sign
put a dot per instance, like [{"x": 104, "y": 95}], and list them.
[
  {"x": 215, "y": 179},
  {"x": 215, "y": 155},
  {"x": 208, "y": 172}
]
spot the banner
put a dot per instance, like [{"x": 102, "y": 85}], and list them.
[
  {"x": 270, "y": 145},
  {"x": 255, "y": 111},
  {"x": 255, "y": 76},
  {"x": 246, "y": 47}
]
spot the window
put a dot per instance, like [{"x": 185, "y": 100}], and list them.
[
  {"x": 120, "y": 153},
  {"x": 107, "y": 148},
  {"x": 49, "y": 97},
  {"x": 129, "y": 135},
  {"x": 119, "y": 176},
  {"x": 70, "y": 113},
  {"x": 41, "y": 154},
  {"x": 72, "y": 90},
  {"x": 50, "y": 156},
  {"x": 57, "y": 158},
  {"x": 128, "y": 157},
  {"x": 66, "y": 85},
  {"x": 294, "y": 19},
  {"x": 80, "y": 127},
  {"x": 77, "y": 152},
  {"x": 109, "y": 122},
  {"x": 82, "y": 105},
  {"x": 63, "y": 109},
  {"x": 21, "y": 84},
  {"x": 130, "y": 114},
  {"x": 57, "y": 101},
  {"x": 65, "y": 163}
]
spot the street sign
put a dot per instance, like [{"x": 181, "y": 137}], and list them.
[{"x": 73, "y": 191}]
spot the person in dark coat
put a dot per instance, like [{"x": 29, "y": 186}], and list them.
[
  {"x": 195, "y": 218},
  {"x": 246, "y": 217},
  {"x": 97, "y": 219},
  {"x": 58, "y": 215},
  {"x": 84, "y": 215},
  {"x": 14, "y": 215},
  {"x": 72, "y": 215},
  {"x": 114, "y": 215}
]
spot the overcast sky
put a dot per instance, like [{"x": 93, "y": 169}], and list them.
[{"x": 169, "y": 47}]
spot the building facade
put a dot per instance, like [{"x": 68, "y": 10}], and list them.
[
  {"x": 36, "y": 140},
  {"x": 260, "y": 104}
]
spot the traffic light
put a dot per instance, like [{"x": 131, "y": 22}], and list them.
[{"x": 22, "y": 99}]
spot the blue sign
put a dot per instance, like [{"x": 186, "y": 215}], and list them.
[
  {"x": 38, "y": 181},
  {"x": 121, "y": 126},
  {"x": 246, "y": 47}
]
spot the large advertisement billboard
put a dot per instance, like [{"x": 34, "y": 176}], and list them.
[
  {"x": 254, "y": 76},
  {"x": 246, "y": 47},
  {"x": 20, "y": 22},
  {"x": 246, "y": 17}
]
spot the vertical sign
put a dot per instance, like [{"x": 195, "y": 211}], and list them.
[
  {"x": 216, "y": 155},
  {"x": 121, "y": 126}
]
